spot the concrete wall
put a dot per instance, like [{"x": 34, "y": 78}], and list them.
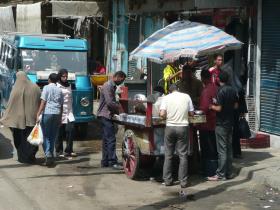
[{"x": 274, "y": 141}]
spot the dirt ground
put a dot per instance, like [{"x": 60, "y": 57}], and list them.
[{"x": 80, "y": 183}]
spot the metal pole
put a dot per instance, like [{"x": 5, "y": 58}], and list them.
[{"x": 258, "y": 64}]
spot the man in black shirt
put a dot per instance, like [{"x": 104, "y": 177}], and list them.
[{"x": 227, "y": 102}]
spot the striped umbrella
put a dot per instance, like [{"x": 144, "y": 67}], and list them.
[{"x": 184, "y": 39}]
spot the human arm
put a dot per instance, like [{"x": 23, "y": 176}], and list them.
[
  {"x": 162, "y": 109},
  {"x": 168, "y": 74},
  {"x": 162, "y": 114},
  {"x": 43, "y": 102},
  {"x": 110, "y": 99},
  {"x": 41, "y": 109},
  {"x": 216, "y": 108},
  {"x": 219, "y": 104},
  {"x": 190, "y": 107}
]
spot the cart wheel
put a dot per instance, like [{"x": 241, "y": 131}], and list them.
[{"x": 131, "y": 156}]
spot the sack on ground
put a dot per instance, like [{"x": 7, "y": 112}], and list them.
[
  {"x": 244, "y": 129},
  {"x": 36, "y": 136}
]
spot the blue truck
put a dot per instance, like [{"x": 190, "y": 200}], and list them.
[{"x": 40, "y": 55}]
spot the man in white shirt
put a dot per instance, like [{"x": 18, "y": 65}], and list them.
[{"x": 176, "y": 107}]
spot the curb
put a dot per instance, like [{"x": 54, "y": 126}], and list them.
[{"x": 263, "y": 173}]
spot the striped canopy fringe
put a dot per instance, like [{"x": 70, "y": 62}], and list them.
[{"x": 184, "y": 39}]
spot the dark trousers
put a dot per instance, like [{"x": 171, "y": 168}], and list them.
[
  {"x": 208, "y": 145},
  {"x": 224, "y": 148},
  {"x": 65, "y": 130},
  {"x": 109, "y": 156},
  {"x": 25, "y": 151},
  {"x": 176, "y": 138},
  {"x": 236, "y": 147}
]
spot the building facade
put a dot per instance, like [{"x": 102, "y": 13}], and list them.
[
  {"x": 253, "y": 22},
  {"x": 268, "y": 70}
]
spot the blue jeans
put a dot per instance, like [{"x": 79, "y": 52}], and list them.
[
  {"x": 109, "y": 156},
  {"x": 50, "y": 124}
]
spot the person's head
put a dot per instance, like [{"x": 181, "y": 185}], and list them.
[
  {"x": 52, "y": 78},
  {"x": 159, "y": 89},
  {"x": 173, "y": 88},
  {"x": 224, "y": 77},
  {"x": 218, "y": 60},
  {"x": 187, "y": 72},
  {"x": 191, "y": 63},
  {"x": 205, "y": 76},
  {"x": 21, "y": 75},
  {"x": 62, "y": 75},
  {"x": 119, "y": 77}
]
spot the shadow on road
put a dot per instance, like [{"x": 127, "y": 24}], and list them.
[
  {"x": 6, "y": 148},
  {"x": 94, "y": 131},
  {"x": 98, "y": 172},
  {"x": 250, "y": 158}
]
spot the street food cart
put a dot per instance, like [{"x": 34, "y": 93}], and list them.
[
  {"x": 143, "y": 139},
  {"x": 144, "y": 133}
]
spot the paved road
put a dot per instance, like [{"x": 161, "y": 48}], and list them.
[{"x": 80, "y": 184}]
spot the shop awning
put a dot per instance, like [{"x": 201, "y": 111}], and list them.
[
  {"x": 79, "y": 8},
  {"x": 7, "y": 19},
  {"x": 29, "y": 18}
]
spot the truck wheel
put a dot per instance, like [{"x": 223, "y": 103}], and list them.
[{"x": 131, "y": 156}]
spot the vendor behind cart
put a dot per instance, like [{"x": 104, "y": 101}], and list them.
[
  {"x": 190, "y": 84},
  {"x": 176, "y": 108}
]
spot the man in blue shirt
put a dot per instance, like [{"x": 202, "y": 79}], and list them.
[{"x": 51, "y": 109}]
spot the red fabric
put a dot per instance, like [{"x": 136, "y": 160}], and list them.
[
  {"x": 206, "y": 99},
  {"x": 101, "y": 69},
  {"x": 215, "y": 72}
]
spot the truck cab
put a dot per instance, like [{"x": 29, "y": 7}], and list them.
[{"x": 41, "y": 55}]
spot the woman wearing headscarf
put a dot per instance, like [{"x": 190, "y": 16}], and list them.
[
  {"x": 67, "y": 125},
  {"x": 20, "y": 116}
]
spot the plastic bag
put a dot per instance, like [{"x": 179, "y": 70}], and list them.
[
  {"x": 244, "y": 129},
  {"x": 36, "y": 136}
]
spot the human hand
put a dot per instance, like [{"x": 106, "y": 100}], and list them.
[{"x": 38, "y": 119}]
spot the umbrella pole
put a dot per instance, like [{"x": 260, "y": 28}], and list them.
[
  {"x": 149, "y": 78},
  {"x": 151, "y": 81}
]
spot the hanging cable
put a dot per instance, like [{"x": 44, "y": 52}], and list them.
[
  {"x": 66, "y": 25},
  {"x": 100, "y": 25}
]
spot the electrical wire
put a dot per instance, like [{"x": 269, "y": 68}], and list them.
[{"x": 72, "y": 28}]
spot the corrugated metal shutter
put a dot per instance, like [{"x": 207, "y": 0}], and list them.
[
  {"x": 133, "y": 42},
  {"x": 270, "y": 68}
]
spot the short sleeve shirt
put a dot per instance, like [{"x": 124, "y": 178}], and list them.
[
  {"x": 67, "y": 114},
  {"x": 177, "y": 106},
  {"x": 226, "y": 98},
  {"x": 53, "y": 97}
]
